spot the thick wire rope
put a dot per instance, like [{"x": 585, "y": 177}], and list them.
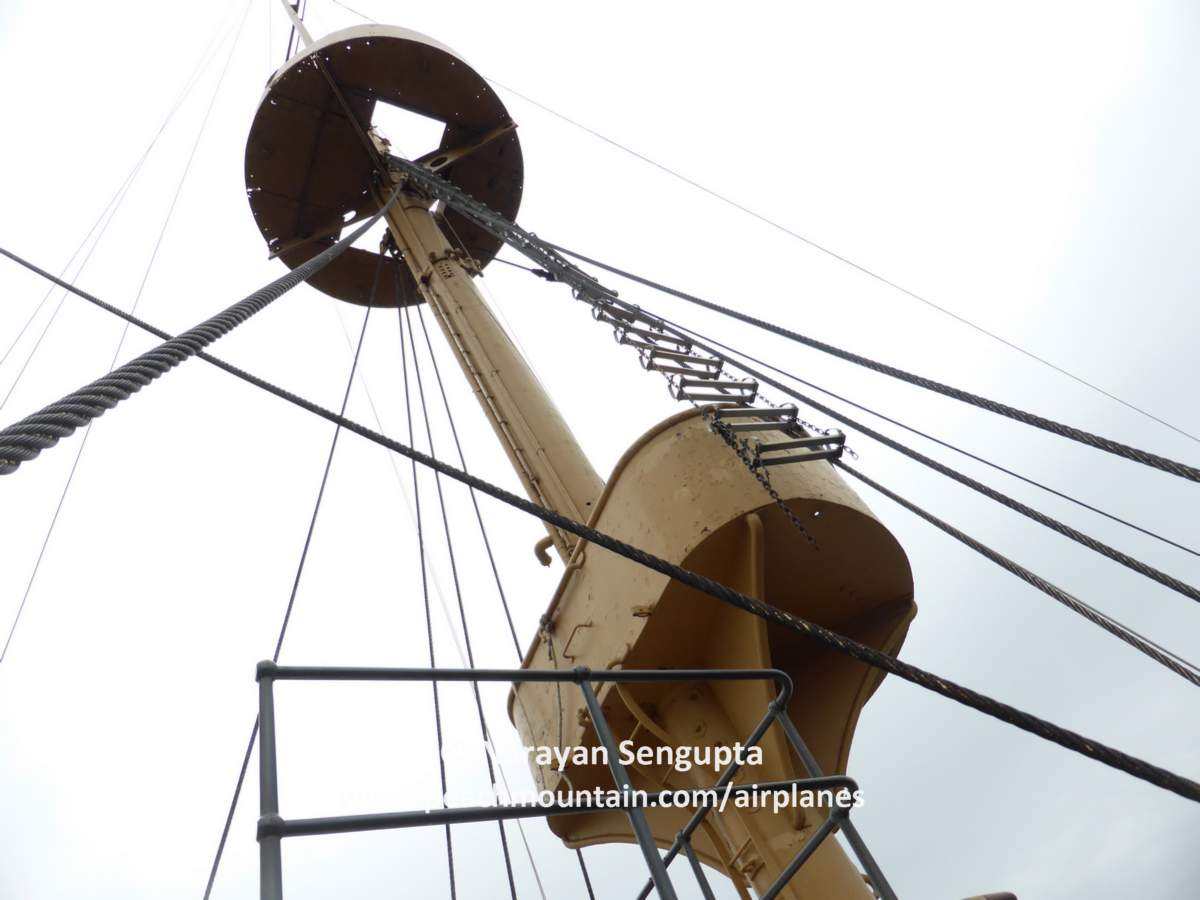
[
  {"x": 846, "y": 261},
  {"x": 70, "y": 479},
  {"x": 593, "y": 292},
  {"x": 1183, "y": 470},
  {"x": 287, "y": 613},
  {"x": 1041, "y": 518},
  {"x": 491, "y": 557},
  {"x": 844, "y": 646},
  {"x": 462, "y": 612},
  {"x": 1178, "y": 664},
  {"x": 26, "y": 439},
  {"x": 1079, "y": 537},
  {"x": 579, "y": 282},
  {"x": 437, "y": 708},
  {"x": 929, "y": 437},
  {"x": 1163, "y": 656}
]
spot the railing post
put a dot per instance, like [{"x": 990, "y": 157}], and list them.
[
  {"x": 857, "y": 844},
  {"x": 705, "y": 889},
  {"x": 270, "y": 860},
  {"x": 637, "y": 818}
]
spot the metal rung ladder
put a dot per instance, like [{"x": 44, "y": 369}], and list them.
[
  {"x": 645, "y": 339},
  {"x": 707, "y": 390},
  {"x": 697, "y": 379},
  {"x": 676, "y": 363},
  {"x": 814, "y": 447},
  {"x": 771, "y": 418}
]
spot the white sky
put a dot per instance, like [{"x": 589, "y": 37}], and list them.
[{"x": 1030, "y": 166}]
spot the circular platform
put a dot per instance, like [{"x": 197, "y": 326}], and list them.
[{"x": 308, "y": 175}]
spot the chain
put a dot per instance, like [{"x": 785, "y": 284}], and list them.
[{"x": 739, "y": 447}]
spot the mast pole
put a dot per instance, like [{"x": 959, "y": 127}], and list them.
[{"x": 545, "y": 454}]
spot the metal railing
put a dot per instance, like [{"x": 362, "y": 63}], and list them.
[{"x": 272, "y": 827}]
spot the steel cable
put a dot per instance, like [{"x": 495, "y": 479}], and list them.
[
  {"x": 989, "y": 706},
  {"x": 547, "y": 255},
  {"x": 1126, "y": 634},
  {"x": 929, "y": 437},
  {"x": 1012, "y": 503},
  {"x": 462, "y": 611},
  {"x": 1176, "y": 664},
  {"x": 437, "y": 707},
  {"x": 1183, "y": 470},
  {"x": 26, "y": 439},
  {"x": 849, "y": 262},
  {"x": 590, "y": 290},
  {"x": 287, "y": 613},
  {"x": 115, "y": 204},
  {"x": 487, "y": 544},
  {"x": 118, "y": 196},
  {"x": 1092, "y": 749}
]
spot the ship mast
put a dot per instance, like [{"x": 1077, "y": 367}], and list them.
[
  {"x": 544, "y": 453},
  {"x": 315, "y": 163}
]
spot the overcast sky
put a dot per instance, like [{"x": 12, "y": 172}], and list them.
[{"x": 1030, "y": 166}]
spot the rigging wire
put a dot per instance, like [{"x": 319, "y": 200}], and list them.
[
  {"x": 847, "y": 261},
  {"x": 114, "y": 204},
  {"x": 591, "y": 291},
  {"x": 492, "y": 563},
  {"x": 437, "y": 708},
  {"x": 105, "y": 218},
  {"x": 483, "y": 531},
  {"x": 1173, "y": 661},
  {"x": 408, "y": 505},
  {"x": 355, "y": 11},
  {"x": 1029, "y": 512},
  {"x": 1077, "y": 434},
  {"x": 487, "y": 544},
  {"x": 401, "y": 301},
  {"x": 929, "y": 437},
  {"x": 133, "y": 309},
  {"x": 270, "y": 34},
  {"x": 483, "y": 729},
  {"x": 26, "y": 439},
  {"x": 1046, "y": 730},
  {"x": 1164, "y": 657},
  {"x": 287, "y": 614}
]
